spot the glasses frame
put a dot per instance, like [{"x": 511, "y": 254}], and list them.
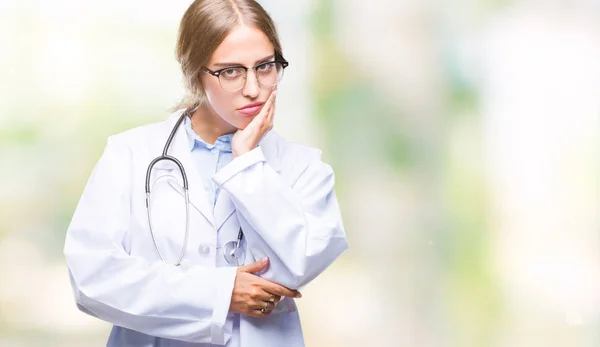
[{"x": 278, "y": 59}]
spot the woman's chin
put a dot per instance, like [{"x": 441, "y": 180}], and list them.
[{"x": 243, "y": 123}]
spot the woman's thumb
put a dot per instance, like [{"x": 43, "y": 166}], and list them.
[{"x": 257, "y": 266}]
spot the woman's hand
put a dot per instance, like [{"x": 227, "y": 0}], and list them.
[
  {"x": 245, "y": 140},
  {"x": 251, "y": 294}
]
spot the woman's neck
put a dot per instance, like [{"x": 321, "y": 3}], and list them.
[{"x": 209, "y": 126}]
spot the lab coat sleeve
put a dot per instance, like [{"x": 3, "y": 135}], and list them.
[
  {"x": 157, "y": 299},
  {"x": 298, "y": 226}
]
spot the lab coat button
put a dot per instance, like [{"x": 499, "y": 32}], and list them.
[{"x": 204, "y": 249}]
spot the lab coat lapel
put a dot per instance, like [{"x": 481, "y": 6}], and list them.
[
  {"x": 224, "y": 206},
  {"x": 179, "y": 149}
]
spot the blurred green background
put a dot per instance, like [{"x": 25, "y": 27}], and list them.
[{"x": 465, "y": 138}]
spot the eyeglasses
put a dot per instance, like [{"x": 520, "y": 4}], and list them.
[{"x": 233, "y": 78}]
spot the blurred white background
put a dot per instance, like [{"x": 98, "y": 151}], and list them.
[{"x": 465, "y": 136}]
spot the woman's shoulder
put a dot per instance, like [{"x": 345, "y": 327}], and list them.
[
  {"x": 148, "y": 132},
  {"x": 287, "y": 149}
]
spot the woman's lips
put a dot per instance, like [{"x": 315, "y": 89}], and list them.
[{"x": 251, "y": 110}]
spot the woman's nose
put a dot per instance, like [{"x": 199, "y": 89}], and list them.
[{"x": 251, "y": 87}]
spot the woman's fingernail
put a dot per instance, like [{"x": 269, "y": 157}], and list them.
[
  {"x": 265, "y": 259},
  {"x": 298, "y": 295}
]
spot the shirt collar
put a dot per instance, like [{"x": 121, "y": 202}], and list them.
[{"x": 223, "y": 142}]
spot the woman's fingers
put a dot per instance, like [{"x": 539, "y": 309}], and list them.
[
  {"x": 256, "y": 267},
  {"x": 271, "y": 100},
  {"x": 274, "y": 298},
  {"x": 259, "y": 305},
  {"x": 269, "y": 108},
  {"x": 267, "y": 297},
  {"x": 263, "y": 304},
  {"x": 277, "y": 289},
  {"x": 271, "y": 114},
  {"x": 264, "y": 112},
  {"x": 263, "y": 309},
  {"x": 256, "y": 296}
]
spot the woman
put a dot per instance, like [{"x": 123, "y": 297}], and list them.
[{"x": 213, "y": 248}]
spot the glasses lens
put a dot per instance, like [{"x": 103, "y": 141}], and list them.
[
  {"x": 269, "y": 74},
  {"x": 232, "y": 79}
]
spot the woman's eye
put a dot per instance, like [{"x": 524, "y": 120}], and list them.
[
  {"x": 265, "y": 67},
  {"x": 231, "y": 73}
]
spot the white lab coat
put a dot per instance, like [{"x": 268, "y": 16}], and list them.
[{"x": 280, "y": 193}]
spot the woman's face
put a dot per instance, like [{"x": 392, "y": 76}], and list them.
[{"x": 245, "y": 46}]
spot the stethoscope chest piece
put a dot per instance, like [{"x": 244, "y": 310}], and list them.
[{"x": 233, "y": 252}]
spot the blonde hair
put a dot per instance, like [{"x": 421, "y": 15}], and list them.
[{"x": 203, "y": 27}]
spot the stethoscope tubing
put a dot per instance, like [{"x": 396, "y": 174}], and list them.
[{"x": 167, "y": 157}]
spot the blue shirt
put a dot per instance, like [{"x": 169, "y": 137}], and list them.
[{"x": 209, "y": 158}]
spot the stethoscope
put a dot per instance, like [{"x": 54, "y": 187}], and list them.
[{"x": 233, "y": 252}]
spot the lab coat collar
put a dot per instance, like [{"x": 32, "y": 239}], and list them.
[
  {"x": 269, "y": 144},
  {"x": 223, "y": 142},
  {"x": 179, "y": 149}
]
